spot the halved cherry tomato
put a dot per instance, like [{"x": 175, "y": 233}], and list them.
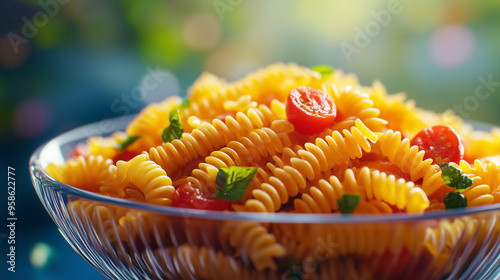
[
  {"x": 441, "y": 144},
  {"x": 310, "y": 110},
  {"x": 187, "y": 196},
  {"x": 125, "y": 156},
  {"x": 79, "y": 150}
]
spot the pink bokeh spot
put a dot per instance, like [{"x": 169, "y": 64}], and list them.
[
  {"x": 451, "y": 45},
  {"x": 31, "y": 118}
]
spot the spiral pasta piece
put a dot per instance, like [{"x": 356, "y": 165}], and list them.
[
  {"x": 147, "y": 177},
  {"x": 485, "y": 178},
  {"x": 353, "y": 104},
  {"x": 151, "y": 179},
  {"x": 208, "y": 137},
  {"x": 86, "y": 173},
  {"x": 307, "y": 164},
  {"x": 373, "y": 185},
  {"x": 250, "y": 150},
  {"x": 410, "y": 160},
  {"x": 254, "y": 240}
]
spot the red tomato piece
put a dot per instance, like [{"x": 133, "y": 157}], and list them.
[
  {"x": 125, "y": 156},
  {"x": 310, "y": 110},
  {"x": 79, "y": 150},
  {"x": 187, "y": 196},
  {"x": 441, "y": 144}
]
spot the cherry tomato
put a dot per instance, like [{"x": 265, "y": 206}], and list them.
[
  {"x": 79, "y": 150},
  {"x": 187, "y": 196},
  {"x": 440, "y": 143},
  {"x": 125, "y": 156},
  {"x": 310, "y": 110}
]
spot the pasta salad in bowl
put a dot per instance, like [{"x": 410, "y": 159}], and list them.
[{"x": 289, "y": 173}]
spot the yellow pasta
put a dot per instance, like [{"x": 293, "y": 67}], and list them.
[
  {"x": 340, "y": 148},
  {"x": 84, "y": 172},
  {"x": 148, "y": 177},
  {"x": 254, "y": 240},
  {"x": 207, "y": 137},
  {"x": 150, "y": 122},
  {"x": 308, "y": 163},
  {"x": 373, "y": 185}
]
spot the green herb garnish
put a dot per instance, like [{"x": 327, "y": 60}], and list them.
[
  {"x": 174, "y": 130},
  {"x": 127, "y": 142},
  {"x": 325, "y": 70},
  {"x": 348, "y": 202},
  {"x": 454, "y": 178},
  {"x": 185, "y": 104},
  {"x": 454, "y": 200},
  {"x": 233, "y": 182}
]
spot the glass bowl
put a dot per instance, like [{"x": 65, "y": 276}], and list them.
[{"x": 131, "y": 240}]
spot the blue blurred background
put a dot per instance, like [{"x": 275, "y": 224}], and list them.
[{"x": 65, "y": 63}]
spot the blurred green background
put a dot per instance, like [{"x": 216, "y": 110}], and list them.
[{"x": 65, "y": 63}]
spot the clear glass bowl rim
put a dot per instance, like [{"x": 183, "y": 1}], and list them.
[{"x": 37, "y": 170}]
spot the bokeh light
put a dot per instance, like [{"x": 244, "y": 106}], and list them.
[
  {"x": 451, "y": 45},
  {"x": 42, "y": 255},
  {"x": 31, "y": 118},
  {"x": 201, "y": 31},
  {"x": 14, "y": 50}
]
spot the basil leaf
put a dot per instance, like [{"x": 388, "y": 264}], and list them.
[
  {"x": 185, "y": 104},
  {"x": 233, "y": 182},
  {"x": 127, "y": 142},
  {"x": 454, "y": 200},
  {"x": 325, "y": 70},
  {"x": 174, "y": 130},
  {"x": 348, "y": 202},
  {"x": 454, "y": 178}
]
